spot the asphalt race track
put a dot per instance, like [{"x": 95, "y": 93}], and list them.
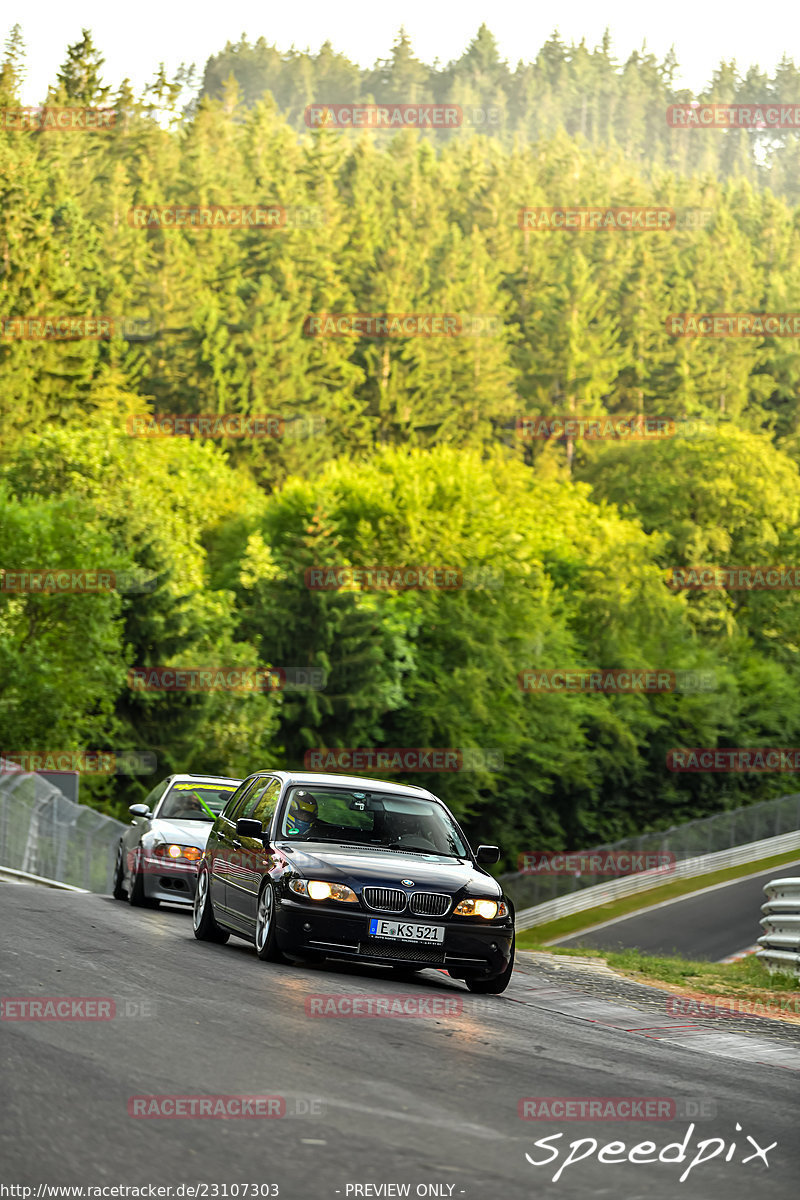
[
  {"x": 428, "y": 1102},
  {"x": 710, "y": 926}
]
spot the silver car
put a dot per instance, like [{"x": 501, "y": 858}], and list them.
[{"x": 157, "y": 856}]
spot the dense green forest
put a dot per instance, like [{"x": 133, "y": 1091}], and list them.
[
  {"x": 403, "y": 450},
  {"x": 586, "y": 93}
]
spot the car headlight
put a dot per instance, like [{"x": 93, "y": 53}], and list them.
[
  {"x": 320, "y": 889},
  {"x": 488, "y": 909},
  {"x": 170, "y": 850}
]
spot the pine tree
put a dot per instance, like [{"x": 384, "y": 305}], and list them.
[
  {"x": 80, "y": 76},
  {"x": 12, "y": 68}
]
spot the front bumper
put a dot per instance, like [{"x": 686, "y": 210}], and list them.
[
  {"x": 469, "y": 948},
  {"x": 172, "y": 882}
]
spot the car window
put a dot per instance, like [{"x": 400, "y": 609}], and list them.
[
  {"x": 369, "y": 817},
  {"x": 195, "y": 800},
  {"x": 234, "y": 806},
  {"x": 158, "y": 791},
  {"x": 260, "y": 804}
]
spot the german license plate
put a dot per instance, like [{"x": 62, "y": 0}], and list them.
[{"x": 405, "y": 931}]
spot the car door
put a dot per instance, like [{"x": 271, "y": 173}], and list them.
[
  {"x": 250, "y": 860},
  {"x": 222, "y": 843}
]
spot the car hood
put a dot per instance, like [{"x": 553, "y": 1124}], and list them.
[
  {"x": 355, "y": 866},
  {"x": 184, "y": 833}
]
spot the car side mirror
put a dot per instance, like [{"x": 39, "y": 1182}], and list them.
[
  {"x": 139, "y": 810},
  {"x": 488, "y": 854},
  {"x": 247, "y": 827}
]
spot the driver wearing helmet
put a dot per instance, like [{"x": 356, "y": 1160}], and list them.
[{"x": 302, "y": 813}]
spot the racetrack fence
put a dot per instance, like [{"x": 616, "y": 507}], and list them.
[
  {"x": 43, "y": 833},
  {"x": 693, "y": 840}
]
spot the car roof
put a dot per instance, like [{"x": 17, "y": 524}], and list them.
[{"x": 361, "y": 782}]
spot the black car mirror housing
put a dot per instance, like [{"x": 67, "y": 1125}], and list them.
[
  {"x": 247, "y": 827},
  {"x": 487, "y": 854}
]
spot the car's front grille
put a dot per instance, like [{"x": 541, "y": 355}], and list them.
[
  {"x": 402, "y": 953},
  {"x": 384, "y": 899},
  {"x": 429, "y": 904}
]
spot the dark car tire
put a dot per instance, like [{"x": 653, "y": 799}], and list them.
[
  {"x": 266, "y": 926},
  {"x": 204, "y": 922},
  {"x": 136, "y": 894},
  {"x": 119, "y": 891},
  {"x": 495, "y": 985}
]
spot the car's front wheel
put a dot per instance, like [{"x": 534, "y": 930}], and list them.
[
  {"x": 266, "y": 941},
  {"x": 204, "y": 922},
  {"x": 119, "y": 891},
  {"x": 496, "y": 985},
  {"x": 136, "y": 892}
]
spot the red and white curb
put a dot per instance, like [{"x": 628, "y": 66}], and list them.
[{"x": 741, "y": 954}]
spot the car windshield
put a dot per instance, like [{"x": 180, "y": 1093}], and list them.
[
  {"x": 370, "y": 818},
  {"x": 195, "y": 801}
]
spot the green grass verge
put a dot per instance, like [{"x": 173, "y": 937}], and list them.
[
  {"x": 532, "y": 939},
  {"x": 747, "y": 979}
]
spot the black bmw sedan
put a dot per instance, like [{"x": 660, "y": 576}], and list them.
[{"x": 334, "y": 866}]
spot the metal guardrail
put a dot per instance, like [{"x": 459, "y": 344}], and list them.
[
  {"x": 43, "y": 833},
  {"x": 13, "y": 876},
  {"x": 706, "y": 836},
  {"x": 780, "y": 941},
  {"x": 629, "y": 885}
]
